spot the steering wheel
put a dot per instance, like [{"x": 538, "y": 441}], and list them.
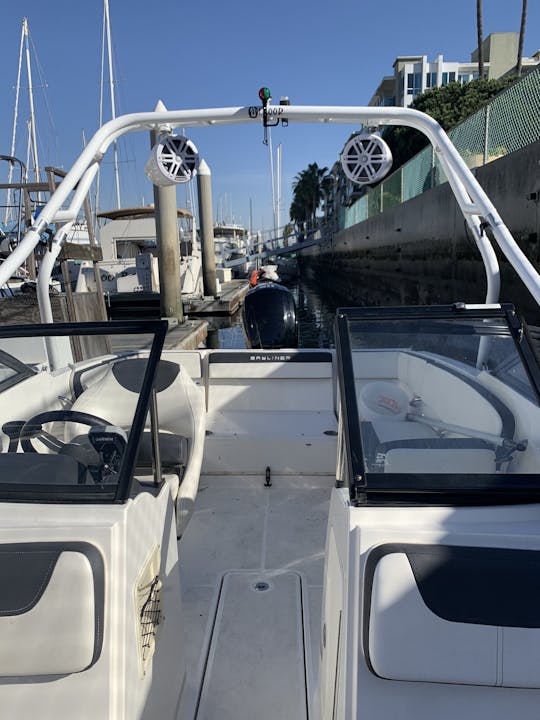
[
  {"x": 33, "y": 428},
  {"x": 86, "y": 456}
]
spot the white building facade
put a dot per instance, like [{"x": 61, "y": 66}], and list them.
[{"x": 414, "y": 74}]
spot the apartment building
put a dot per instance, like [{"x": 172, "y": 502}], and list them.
[{"x": 414, "y": 74}]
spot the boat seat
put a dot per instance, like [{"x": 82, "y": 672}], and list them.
[
  {"x": 393, "y": 442},
  {"x": 453, "y": 614},
  {"x": 408, "y": 447},
  {"x": 52, "y": 604},
  {"x": 114, "y": 393},
  {"x": 173, "y": 452},
  {"x": 392, "y": 384}
]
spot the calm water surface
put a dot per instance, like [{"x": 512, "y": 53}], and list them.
[{"x": 316, "y": 309}]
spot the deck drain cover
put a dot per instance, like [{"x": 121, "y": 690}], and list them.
[{"x": 261, "y": 586}]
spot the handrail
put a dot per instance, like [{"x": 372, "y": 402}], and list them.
[{"x": 477, "y": 209}]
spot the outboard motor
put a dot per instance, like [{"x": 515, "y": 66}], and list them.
[{"x": 269, "y": 316}]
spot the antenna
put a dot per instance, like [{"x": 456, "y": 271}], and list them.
[
  {"x": 265, "y": 96},
  {"x": 272, "y": 178}
]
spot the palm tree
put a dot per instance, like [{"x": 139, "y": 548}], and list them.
[
  {"x": 521, "y": 37},
  {"x": 480, "y": 34},
  {"x": 308, "y": 191}
]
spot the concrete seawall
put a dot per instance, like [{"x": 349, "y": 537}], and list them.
[{"x": 419, "y": 251}]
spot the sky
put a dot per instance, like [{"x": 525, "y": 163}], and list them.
[{"x": 209, "y": 53}]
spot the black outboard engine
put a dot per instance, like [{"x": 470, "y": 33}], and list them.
[{"x": 269, "y": 316}]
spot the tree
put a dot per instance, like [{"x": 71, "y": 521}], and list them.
[
  {"x": 309, "y": 188},
  {"x": 480, "y": 38},
  {"x": 521, "y": 37},
  {"x": 449, "y": 105}
]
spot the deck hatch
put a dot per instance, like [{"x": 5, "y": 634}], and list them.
[{"x": 257, "y": 646}]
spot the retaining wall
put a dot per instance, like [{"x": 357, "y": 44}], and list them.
[{"x": 419, "y": 251}]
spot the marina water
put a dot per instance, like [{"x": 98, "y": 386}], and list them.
[{"x": 317, "y": 302}]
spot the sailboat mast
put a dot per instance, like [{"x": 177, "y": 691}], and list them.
[
  {"x": 101, "y": 84},
  {"x": 33, "y": 138},
  {"x": 113, "y": 107},
  {"x": 7, "y": 216},
  {"x": 278, "y": 179}
]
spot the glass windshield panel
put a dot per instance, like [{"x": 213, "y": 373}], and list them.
[
  {"x": 443, "y": 396},
  {"x": 68, "y": 424},
  {"x": 11, "y": 372}
]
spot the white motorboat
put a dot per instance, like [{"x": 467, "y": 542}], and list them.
[
  {"x": 130, "y": 263},
  {"x": 359, "y": 535},
  {"x": 231, "y": 244}
]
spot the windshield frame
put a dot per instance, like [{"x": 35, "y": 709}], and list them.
[
  {"x": 120, "y": 491},
  {"x": 22, "y": 371},
  {"x": 426, "y": 488}
]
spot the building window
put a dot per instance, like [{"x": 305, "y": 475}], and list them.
[
  {"x": 464, "y": 78},
  {"x": 414, "y": 83},
  {"x": 431, "y": 79},
  {"x": 448, "y": 77}
]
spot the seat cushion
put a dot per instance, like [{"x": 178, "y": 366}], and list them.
[{"x": 173, "y": 450}]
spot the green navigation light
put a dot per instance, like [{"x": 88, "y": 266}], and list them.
[{"x": 264, "y": 94}]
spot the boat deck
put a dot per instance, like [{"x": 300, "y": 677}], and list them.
[{"x": 251, "y": 565}]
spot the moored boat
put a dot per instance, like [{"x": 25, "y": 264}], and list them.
[{"x": 359, "y": 527}]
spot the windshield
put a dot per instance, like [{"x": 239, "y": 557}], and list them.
[
  {"x": 74, "y": 408},
  {"x": 437, "y": 399}
]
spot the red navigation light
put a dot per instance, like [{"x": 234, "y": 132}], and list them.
[{"x": 264, "y": 94}]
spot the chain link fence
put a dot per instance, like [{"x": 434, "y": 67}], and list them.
[{"x": 507, "y": 123}]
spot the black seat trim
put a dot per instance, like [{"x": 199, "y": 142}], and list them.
[
  {"x": 130, "y": 373},
  {"x": 465, "y": 584},
  {"x": 25, "y": 572}
]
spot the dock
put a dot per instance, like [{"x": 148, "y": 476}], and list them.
[
  {"x": 187, "y": 335},
  {"x": 227, "y": 303},
  {"x": 126, "y": 305}
]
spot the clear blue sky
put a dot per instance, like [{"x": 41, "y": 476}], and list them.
[{"x": 213, "y": 54}]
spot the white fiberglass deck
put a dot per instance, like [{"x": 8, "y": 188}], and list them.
[{"x": 243, "y": 643}]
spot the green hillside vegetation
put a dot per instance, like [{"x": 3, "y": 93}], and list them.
[{"x": 449, "y": 105}]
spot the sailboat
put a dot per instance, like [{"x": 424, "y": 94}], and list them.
[
  {"x": 23, "y": 196},
  {"x": 127, "y": 235}
]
